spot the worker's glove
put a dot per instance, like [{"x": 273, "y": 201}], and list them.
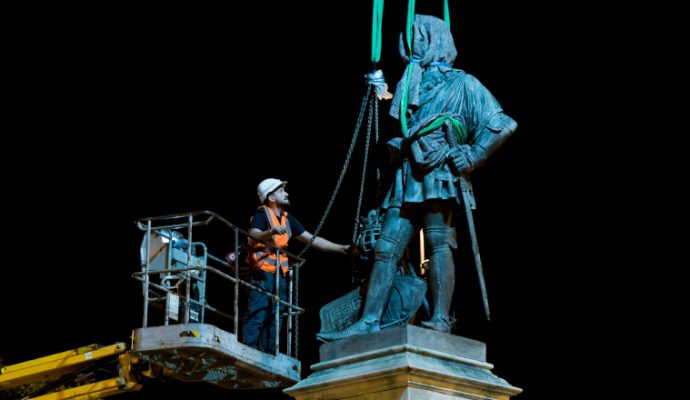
[{"x": 278, "y": 230}]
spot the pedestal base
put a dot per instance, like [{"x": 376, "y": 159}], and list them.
[{"x": 406, "y": 362}]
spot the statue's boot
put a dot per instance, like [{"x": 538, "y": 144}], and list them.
[
  {"x": 388, "y": 251},
  {"x": 441, "y": 276},
  {"x": 396, "y": 233},
  {"x": 360, "y": 327},
  {"x": 438, "y": 323},
  {"x": 380, "y": 287}
]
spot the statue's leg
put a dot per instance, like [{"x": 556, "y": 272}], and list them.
[
  {"x": 396, "y": 232},
  {"x": 440, "y": 238}
]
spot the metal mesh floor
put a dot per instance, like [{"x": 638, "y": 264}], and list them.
[{"x": 204, "y": 353}]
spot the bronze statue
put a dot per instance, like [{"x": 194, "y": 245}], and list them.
[{"x": 455, "y": 124}]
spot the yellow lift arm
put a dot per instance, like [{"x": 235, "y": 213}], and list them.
[{"x": 56, "y": 366}]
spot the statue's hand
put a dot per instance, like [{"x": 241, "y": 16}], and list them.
[{"x": 460, "y": 159}]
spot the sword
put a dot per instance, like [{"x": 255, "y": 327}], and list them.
[
  {"x": 468, "y": 205},
  {"x": 465, "y": 186}
]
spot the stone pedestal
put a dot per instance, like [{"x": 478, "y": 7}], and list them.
[{"x": 406, "y": 362}]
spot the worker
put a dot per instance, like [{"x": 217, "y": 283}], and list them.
[{"x": 272, "y": 224}]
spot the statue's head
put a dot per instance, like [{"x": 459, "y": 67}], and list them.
[{"x": 431, "y": 41}]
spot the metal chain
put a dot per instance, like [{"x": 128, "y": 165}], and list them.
[
  {"x": 353, "y": 268},
  {"x": 365, "y": 101},
  {"x": 376, "y": 146},
  {"x": 362, "y": 108},
  {"x": 364, "y": 169}
]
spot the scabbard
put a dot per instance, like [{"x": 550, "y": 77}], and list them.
[{"x": 468, "y": 205}]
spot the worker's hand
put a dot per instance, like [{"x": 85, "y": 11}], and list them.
[
  {"x": 278, "y": 230},
  {"x": 353, "y": 250},
  {"x": 344, "y": 249}
]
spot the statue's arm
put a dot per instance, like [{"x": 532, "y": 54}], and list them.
[
  {"x": 466, "y": 157},
  {"x": 499, "y": 128}
]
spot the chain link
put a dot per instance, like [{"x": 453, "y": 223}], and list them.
[
  {"x": 364, "y": 169},
  {"x": 362, "y": 109},
  {"x": 353, "y": 268},
  {"x": 376, "y": 146}
]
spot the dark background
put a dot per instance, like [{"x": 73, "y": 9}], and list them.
[{"x": 126, "y": 113}]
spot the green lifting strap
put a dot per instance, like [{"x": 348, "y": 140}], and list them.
[
  {"x": 446, "y": 13},
  {"x": 408, "y": 26},
  {"x": 408, "y": 37},
  {"x": 408, "y": 34},
  {"x": 458, "y": 129},
  {"x": 376, "y": 26}
]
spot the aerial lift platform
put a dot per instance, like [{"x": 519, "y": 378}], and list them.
[{"x": 174, "y": 340}]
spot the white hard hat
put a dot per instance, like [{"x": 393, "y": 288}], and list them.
[{"x": 267, "y": 186}]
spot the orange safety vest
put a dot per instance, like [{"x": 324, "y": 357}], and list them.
[{"x": 263, "y": 259}]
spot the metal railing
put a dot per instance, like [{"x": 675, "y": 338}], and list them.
[{"x": 195, "y": 277}]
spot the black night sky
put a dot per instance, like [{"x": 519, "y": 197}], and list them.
[{"x": 136, "y": 112}]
